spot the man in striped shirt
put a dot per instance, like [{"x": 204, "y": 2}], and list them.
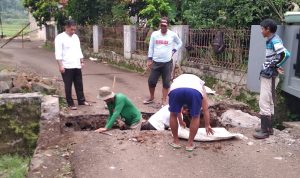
[{"x": 276, "y": 55}]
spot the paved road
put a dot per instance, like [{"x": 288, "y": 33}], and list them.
[{"x": 95, "y": 75}]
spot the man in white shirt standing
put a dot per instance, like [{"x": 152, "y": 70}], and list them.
[
  {"x": 188, "y": 89},
  {"x": 162, "y": 46},
  {"x": 70, "y": 61}
]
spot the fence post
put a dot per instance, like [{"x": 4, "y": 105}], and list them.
[
  {"x": 97, "y": 38},
  {"x": 129, "y": 40},
  {"x": 55, "y": 30},
  {"x": 183, "y": 33}
]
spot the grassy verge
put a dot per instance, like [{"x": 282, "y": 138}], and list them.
[
  {"x": 10, "y": 30},
  {"x": 13, "y": 166}
]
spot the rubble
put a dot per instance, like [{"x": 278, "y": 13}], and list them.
[{"x": 11, "y": 82}]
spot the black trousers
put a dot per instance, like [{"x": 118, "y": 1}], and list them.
[{"x": 71, "y": 76}]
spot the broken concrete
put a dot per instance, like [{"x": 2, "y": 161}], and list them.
[
  {"x": 49, "y": 159},
  {"x": 43, "y": 88},
  {"x": 237, "y": 118}
]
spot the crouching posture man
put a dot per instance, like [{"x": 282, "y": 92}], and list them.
[
  {"x": 119, "y": 106},
  {"x": 188, "y": 89}
]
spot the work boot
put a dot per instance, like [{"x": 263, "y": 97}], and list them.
[
  {"x": 270, "y": 125},
  {"x": 270, "y": 128},
  {"x": 263, "y": 133}
]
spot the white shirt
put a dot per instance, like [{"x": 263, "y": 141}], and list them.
[
  {"x": 67, "y": 49},
  {"x": 188, "y": 81},
  {"x": 161, "y": 46},
  {"x": 161, "y": 118}
]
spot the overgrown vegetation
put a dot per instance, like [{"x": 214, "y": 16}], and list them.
[
  {"x": 13, "y": 166},
  {"x": 209, "y": 81},
  {"x": 286, "y": 106},
  {"x": 62, "y": 102},
  {"x": 196, "y": 13},
  {"x": 250, "y": 98},
  {"x": 20, "y": 123}
]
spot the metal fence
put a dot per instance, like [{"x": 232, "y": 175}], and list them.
[
  {"x": 142, "y": 40},
  {"x": 234, "y": 57},
  {"x": 113, "y": 39}
]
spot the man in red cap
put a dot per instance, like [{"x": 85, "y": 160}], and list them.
[{"x": 163, "y": 44}]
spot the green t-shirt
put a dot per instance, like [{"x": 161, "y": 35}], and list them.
[{"x": 123, "y": 107}]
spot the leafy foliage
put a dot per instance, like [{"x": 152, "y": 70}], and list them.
[
  {"x": 88, "y": 12},
  {"x": 155, "y": 9},
  {"x": 120, "y": 14},
  {"x": 43, "y": 10},
  {"x": 232, "y": 13}
]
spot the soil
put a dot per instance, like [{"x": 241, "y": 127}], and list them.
[{"x": 86, "y": 154}]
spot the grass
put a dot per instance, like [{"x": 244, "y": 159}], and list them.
[
  {"x": 62, "y": 102},
  {"x": 10, "y": 30},
  {"x": 49, "y": 46},
  {"x": 13, "y": 166}
]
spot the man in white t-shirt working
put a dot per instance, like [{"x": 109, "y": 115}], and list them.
[
  {"x": 161, "y": 119},
  {"x": 70, "y": 61},
  {"x": 162, "y": 46},
  {"x": 188, "y": 89}
]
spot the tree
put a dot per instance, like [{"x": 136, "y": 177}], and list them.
[
  {"x": 232, "y": 13},
  {"x": 155, "y": 9},
  {"x": 43, "y": 10},
  {"x": 89, "y": 12}
]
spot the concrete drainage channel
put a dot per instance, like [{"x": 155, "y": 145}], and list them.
[{"x": 17, "y": 113}]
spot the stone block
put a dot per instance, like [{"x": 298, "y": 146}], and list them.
[
  {"x": 237, "y": 118},
  {"x": 4, "y": 87},
  {"x": 43, "y": 88},
  {"x": 50, "y": 107},
  {"x": 15, "y": 90},
  {"x": 5, "y": 75}
]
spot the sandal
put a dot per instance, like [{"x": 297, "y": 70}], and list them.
[
  {"x": 174, "y": 145},
  {"x": 190, "y": 149},
  {"x": 85, "y": 104},
  {"x": 72, "y": 107},
  {"x": 149, "y": 101}
]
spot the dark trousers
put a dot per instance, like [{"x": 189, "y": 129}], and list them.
[
  {"x": 70, "y": 76},
  {"x": 158, "y": 69}
]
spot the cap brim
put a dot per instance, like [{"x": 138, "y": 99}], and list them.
[{"x": 164, "y": 24}]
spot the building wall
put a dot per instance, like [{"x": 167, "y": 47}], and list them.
[{"x": 291, "y": 84}]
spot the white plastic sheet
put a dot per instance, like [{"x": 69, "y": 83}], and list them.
[{"x": 220, "y": 133}]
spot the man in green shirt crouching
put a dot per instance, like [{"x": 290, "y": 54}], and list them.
[{"x": 119, "y": 106}]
